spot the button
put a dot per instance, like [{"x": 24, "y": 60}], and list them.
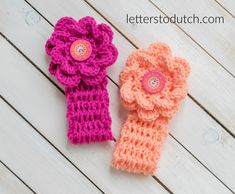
[
  {"x": 80, "y": 50},
  {"x": 153, "y": 82}
]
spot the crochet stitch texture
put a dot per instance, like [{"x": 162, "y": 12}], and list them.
[
  {"x": 138, "y": 146},
  {"x": 83, "y": 75}
]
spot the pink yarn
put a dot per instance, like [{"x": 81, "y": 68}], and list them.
[{"x": 85, "y": 81}]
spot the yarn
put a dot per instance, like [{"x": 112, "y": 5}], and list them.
[
  {"x": 151, "y": 107},
  {"x": 80, "y": 52},
  {"x": 87, "y": 113}
]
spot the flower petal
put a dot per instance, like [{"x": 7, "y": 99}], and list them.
[
  {"x": 127, "y": 92},
  {"x": 147, "y": 115},
  {"x": 127, "y": 74},
  {"x": 142, "y": 60},
  {"x": 105, "y": 28},
  {"x": 59, "y": 54},
  {"x": 70, "y": 67},
  {"x": 169, "y": 113},
  {"x": 50, "y": 44},
  {"x": 68, "y": 80},
  {"x": 64, "y": 23},
  {"x": 106, "y": 56},
  {"x": 159, "y": 49},
  {"x": 179, "y": 91},
  {"x": 53, "y": 68},
  {"x": 163, "y": 101},
  {"x": 101, "y": 38},
  {"x": 94, "y": 80},
  {"x": 180, "y": 68},
  {"x": 131, "y": 70},
  {"x": 87, "y": 24},
  {"x": 139, "y": 58},
  {"x": 61, "y": 36},
  {"x": 144, "y": 100},
  {"x": 77, "y": 32},
  {"x": 90, "y": 69},
  {"x": 130, "y": 106}
]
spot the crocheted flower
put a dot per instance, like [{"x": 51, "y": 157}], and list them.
[
  {"x": 80, "y": 50},
  {"x": 153, "y": 82}
]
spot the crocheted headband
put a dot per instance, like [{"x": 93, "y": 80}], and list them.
[
  {"x": 80, "y": 52},
  {"x": 152, "y": 85}
]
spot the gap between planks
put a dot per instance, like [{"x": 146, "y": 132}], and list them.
[
  {"x": 12, "y": 107},
  {"x": 178, "y": 26},
  {"x": 154, "y": 177},
  {"x": 31, "y": 125},
  {"x": 157, "y": 179},
  {"x": 15, "y": 175},
  {"x": 135, "y": 46},
  {"x": 47, "y": 161},
  {"x": 197, "y": 43},
  {"x": 131, "y": 42},
  {"x": 230, "y": 13},
  {"x": 113, "y": 81}
]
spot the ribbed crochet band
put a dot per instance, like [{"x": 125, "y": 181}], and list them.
[
  {"x": 139, "y": 145},
  {"x": 87, "y": 113}
]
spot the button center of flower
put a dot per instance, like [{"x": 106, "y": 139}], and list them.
[
  {"x": 80, "y": 50},
  {"x": 153, "y": 82}
]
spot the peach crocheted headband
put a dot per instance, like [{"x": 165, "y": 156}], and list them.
[{"x": 152, "y": 85}]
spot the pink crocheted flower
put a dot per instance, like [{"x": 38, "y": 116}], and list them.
[
  {"x": 153, "y": 82},
  {"x": 80, "y": 50}
]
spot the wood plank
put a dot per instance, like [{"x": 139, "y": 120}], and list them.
[
  {"x": 204, "y": 155},
  {"x": 229, "y": 5},
  {"x": 217, "y": 39},
  {"x": 209, "y": 82},
  {"x": 206, "y": 74},
  {"x": 89, "y": 157},
  {"x": 176, "y": 184},
  {"x": 33, "y": 159},
  {"x": 9, "y": 183},
  {"x": 44, "y": 106},
  {"x": 185, "y": 174}
]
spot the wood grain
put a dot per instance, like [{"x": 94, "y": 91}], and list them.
[
  {"x": 42, "y": 63},
  {"x": 196, "y": 141},
  {"x": 88, "y": 157},
  {"x": 33, "y": 159},
  {"x": 216, "y": 38},
  {"x": 206, "y": 74},
  {"x": 44, "y": 106},
  {"x": 228, "y": 5},
  {"x": 206, "y": 156},
  {"x": 207, "y": 77},
  {"x": 10, "y": 184}
]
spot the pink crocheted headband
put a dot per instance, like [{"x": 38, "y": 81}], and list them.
[
  {"x": 80, "y": 52},
  {"x": 152, "y": 85}
]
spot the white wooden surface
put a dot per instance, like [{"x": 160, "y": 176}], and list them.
[
  {"x": 199, "y": 153},
  {"x": 228, "y": 6},
  {"x": 9, "y": 183}
]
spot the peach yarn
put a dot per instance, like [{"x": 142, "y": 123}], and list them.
[{"x": 138, "y": 146}]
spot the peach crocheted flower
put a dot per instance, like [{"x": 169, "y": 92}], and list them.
[
  {"x": 80, "y": 50},
  {"x": 153, "y": 82}
]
